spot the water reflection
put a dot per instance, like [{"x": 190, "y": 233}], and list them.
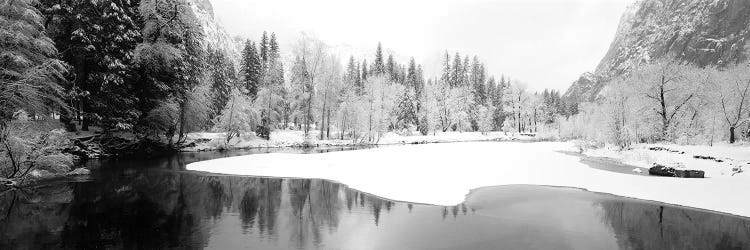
[
  {"x": 163, "y": 209},
  {"x": 646, "y": 226}
]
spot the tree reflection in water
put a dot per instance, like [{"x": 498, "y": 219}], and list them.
[
  {"x": 157, "y": 209},
  {"x": 646, "y": 225}
]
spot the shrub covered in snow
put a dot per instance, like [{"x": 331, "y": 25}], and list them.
[{"x": 25, "y": 151}]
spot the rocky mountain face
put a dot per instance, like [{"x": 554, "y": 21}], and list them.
[
  {"x": 216, "y": 36},
  {"x": 702, "y": 32}
]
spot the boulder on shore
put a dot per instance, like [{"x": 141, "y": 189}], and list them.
[
  {"x": 661, "y": 170},
  {"x": 689, "y": 173}
]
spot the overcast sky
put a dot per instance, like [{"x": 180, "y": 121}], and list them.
[{"x": 543, "y": 43}]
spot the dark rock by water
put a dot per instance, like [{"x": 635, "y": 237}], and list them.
[{"x": 661, "y": 170}]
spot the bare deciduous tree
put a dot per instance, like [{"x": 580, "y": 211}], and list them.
[
  {"x": 670, "y": 86},
  {"x": 733, "y": 85}
]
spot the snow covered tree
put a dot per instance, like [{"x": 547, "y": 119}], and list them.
[
  {"x": 364, "y": 72},
  {"x": 252, "y": 70},
  {"x": 456, "y": 75},
  {"x": 406, "y": 111},
  {"x": 237, "y": 117},
  {"x": 516, "y": 99},
  {"x": 264, "y": 48},
  {"x": 330, "y": 84},
  {"x": 223, "y": 77},
  {"x": 382, "y": 98},
  {"x": 485, "y": 119},
  {"x": 732, "y": 86},
  {"x": 446, "y": 69},
  {"x": 30, "y": 74},
  {"x": 477, "y": 79},
  {"x": 378, "y": 66},
  {"x": 412, "y": 77},
  {"x": 429, "y": 113},
  {"x": 300, "y": 92},
  {"x": 350, "y": 113},
  {"x": 311, "y": 56},
  {"x": 29, "y": 81},
  {"x": 171, "y": 57},
  {"x": 97, "y": 39},
  {"x": 465, "y": 72},
  {"x": 390, "y": 69},
  {"x": 270, "y": 97},
  {"x": 352, "y": 73},
  {"x": 273, "y": 46},
  {"x": 670, "y": 86}
]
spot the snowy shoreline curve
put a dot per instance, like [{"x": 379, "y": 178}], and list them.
[
  {"x": 443, "y": 174},
  {"x": 292, "y": 138}
]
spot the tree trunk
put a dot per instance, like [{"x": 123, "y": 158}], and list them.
[
  {"x": 343, "y": 121},
  {"x": 662, "y": 100},
  {"x": 182, "y": 132},
  {"x": 85, "y": 121},
  {"x": 323, "y": 115},
  {"x": 731, "y": 134}
]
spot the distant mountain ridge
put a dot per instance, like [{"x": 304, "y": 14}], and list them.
[{"x": 702, "y": 32}]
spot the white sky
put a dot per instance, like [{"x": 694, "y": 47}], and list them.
[{"x": 544, "y": 43}]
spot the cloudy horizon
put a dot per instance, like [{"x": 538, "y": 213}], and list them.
[{"x": 516, "y": 38}]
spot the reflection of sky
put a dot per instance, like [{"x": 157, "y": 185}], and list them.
[{"x": 547, "y": 220}]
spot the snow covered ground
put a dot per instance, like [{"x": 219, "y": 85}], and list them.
[
  {"x": 718, "y": 160},
  {"x": 443, "y": 174},
  {"x": 291, "y": 138}
]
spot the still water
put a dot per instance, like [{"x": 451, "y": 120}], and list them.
[{"x": 156, "y": 204}]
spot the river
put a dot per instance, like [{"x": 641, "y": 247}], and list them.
[{"x": 157, "y": 204}]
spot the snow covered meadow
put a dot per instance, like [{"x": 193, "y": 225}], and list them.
[{"x": 443, "y": 174}]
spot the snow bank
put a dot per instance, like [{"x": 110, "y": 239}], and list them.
[
  {"x": 723, "y": 157},
  {"x": 291, "y": 138},
  {"x": 443, "y": 174}
]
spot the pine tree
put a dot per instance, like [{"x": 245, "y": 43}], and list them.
[
  {"x": 390, "y": 69},
  {"x": 251, "y": 69},
  {"x": 406, "y": 111},
  {"x": 352, "y": 74},
  {"x": 273, "y": 46},
  {"x": 302, "y": 93},
  {"x": 222, "y": 76},
  {"x": 401, "y": 76},
  {"x": 419, "y": 87},
  {"x": 477, "y": 81},
  {"x": 457, "y": 73},
  {"x": 465, "y": 70},
  {"x": 97, "y": 39},
  {"x": 446, "y": 74},
  {"x": 411, "y": 75},
  {"x": 275, "y": 65},
  {"x": 364, "y": 71},
  {"x": 378, "y": 67},
  {"x": 358, "y": 77},
  {"x": 491, "y": 87},
  {"x": 264, "y": 51}
]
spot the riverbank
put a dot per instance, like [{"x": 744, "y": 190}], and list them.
[
  {"x": 716, "y": 161},
  {"x": 293, "y": 138},
  {"x": 443, "y": 174}
]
